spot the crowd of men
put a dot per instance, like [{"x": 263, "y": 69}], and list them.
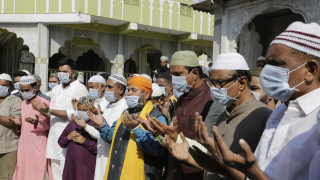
[{"x": 187, "y": 122}]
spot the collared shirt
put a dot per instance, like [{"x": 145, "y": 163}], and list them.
[
  {"x": 61, "y": 100},
  {"x": 244, "y": 122},
  {"x": 290, "y": 145},
  {"x": 10, "y": 106}
]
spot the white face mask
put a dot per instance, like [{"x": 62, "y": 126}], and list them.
[
  {"x": 220, "y": 95},
  {"x": 64, "y": 77},
  {"x": 3, "y": 91},
  {"x": 180, "y": 85},
  {"x": 256, "y": 95},
  {"x": 274, "y": 82}
]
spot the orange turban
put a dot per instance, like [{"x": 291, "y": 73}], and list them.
[{"x": 141, "y": 83}]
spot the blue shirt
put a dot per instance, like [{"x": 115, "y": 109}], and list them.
[{"x": 144, "y": 138}]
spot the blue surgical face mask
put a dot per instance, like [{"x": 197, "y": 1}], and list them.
[
  {"x": 109, "y": 95},
  {"x": 164, "y": 91},
  {"x": 220, "y": 95},
  {"x": 52, "y": 85},
  {"x": 17, "y": 85},
  {"x": 256, "y": 95},
  {"x": 27, "y": 95},
  {"x": 133, "y": 101},
  {"x": 180, "y": 85},
  {"x": 3, "y": 91},
  {"x": 94, "y": 93},
  {"x": 274, "y": 82},
  {"x": 64, "y": 77},
  {"x": 84, "y": 115}
]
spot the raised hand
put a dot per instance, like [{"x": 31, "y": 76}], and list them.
[
  {"x": 15, "y": 120},
  {"x": 146, "y": 123},
  {"x": 33, "y": 121},
  {"x": 178, "y": 150},
  {"x": 201, "y": 132},
  {"x": 91, "y": 108},
  {"x": 80, "y": 122},
  {"x": 37, "y": 105},
  {"x": 127, "y": 120},
  {"x": 72, "y": 135},
  {"x": 162, "y": 129},
  {"x": 75, "y": 103},
  {"x": 79, "y": 139},
  {"x": 164, "y": 107},
  {"x": 97, "y": 120}
]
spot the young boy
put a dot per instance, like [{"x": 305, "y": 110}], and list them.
[{"x": 82, "y": 148}]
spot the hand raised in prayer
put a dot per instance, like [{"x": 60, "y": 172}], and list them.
[
  {"x": 97, "y": 120},
  {"x": 246, "y": 163},
  {"x": 39, "y": 106},
  {"x": 33, "y": 121},
  {"x": 162, "y": 129},
  {"x": 178, "y": 150},
  {"x": 92, "y": 109},
  {"x": 164, "y": 107},
  {"x": 80, "y": 122},
  {"x": 75, "y": 103},
  {"x": 201, "y": 132},
  {"x": 127, "y": 120},
  {"x": 79, "y": 139},
  {"x": 146, "y": 123},
  {"x": 72, "y": 135},
  {"x": 15, "y": 120}
]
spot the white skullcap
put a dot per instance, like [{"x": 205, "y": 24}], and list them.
[
  {"x": 261, "y": 58},
  {"x": 134, "y": 75},
  {"x": 5, "y": 76},
  {"x": 26, "y": 71},
  {"x": 27, "y": 80},
  {"x": 118, "y": 78},
  {"x": 164, "y": 58},
  {"x": 156, "y": 90},
  {"x": 146, "y": 76},
  {"x": 97, "y": 79},
  {"x": 302, "y": 37},
  {"x": 230, "y": 61}
]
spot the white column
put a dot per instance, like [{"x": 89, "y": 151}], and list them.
[
  {"x": 42, "y": 59},
  {"x": 224, "y": 33},
  {"x": 118, "y": 62},
  {"x": 151, "y": 11}
]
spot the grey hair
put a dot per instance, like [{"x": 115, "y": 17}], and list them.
[{"x": 85, "y": 100}]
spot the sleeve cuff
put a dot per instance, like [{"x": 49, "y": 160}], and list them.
[
  {"x": 138, "y": 131},
  {"x": 192, "y": 143},
  {"x": 70, "y": 112}
]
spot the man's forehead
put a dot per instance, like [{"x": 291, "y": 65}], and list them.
[
  {"x": 93, "y": 84},
  {"x": 4, "y": 82},
  {"x": 220, "y": 74}
]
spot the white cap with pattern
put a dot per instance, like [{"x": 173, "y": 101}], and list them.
[
  {"x": 118, "y": 78},
  {"x": 27, "y": 80},
  {"x": 302, "y": 37}
]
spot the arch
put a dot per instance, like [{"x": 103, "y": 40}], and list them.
[{"x": 14, "y": 54}]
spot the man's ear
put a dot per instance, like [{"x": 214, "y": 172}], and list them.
[
  {"x": 147, "y": 95},
  {"x": 196, "y": 74},
  {"x": 243, "y": 83},
  {"x": 313, "y": 71}
]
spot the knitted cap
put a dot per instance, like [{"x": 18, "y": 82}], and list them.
[
  {"x": 302, "y": 37},
  {"x": 27, "y": 80},
  {"x": 118, "y": 78}
]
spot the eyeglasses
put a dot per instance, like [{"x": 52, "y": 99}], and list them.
[{"x": 220, "y": 83}]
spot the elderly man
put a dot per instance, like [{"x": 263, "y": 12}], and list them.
[
  {"x": 61, "y": 101},
  {"x": 290, "y": 144},
  {"x": 10, "y": 105},
  {"x": 134, "y": 153},
  {"x": 114, "y": 93},
  {"x": 257, "y": 90}
]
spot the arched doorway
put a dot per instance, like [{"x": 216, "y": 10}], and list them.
[
  {"x": 255, "y": 37},
  {"x": 13, "y": 54},
  {"x": 146, "y": 58}
]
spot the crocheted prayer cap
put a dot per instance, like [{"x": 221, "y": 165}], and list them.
[
  {"x": 118, "y": 78},
  {"x": 27, "y": 80}
]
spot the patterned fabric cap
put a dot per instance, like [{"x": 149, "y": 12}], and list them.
[
  {"x": 205, "y": 70},
  {"x": 118, "y": 78},
  {"x": 27, "y": 80},
  {"x": 302, "y": 37}
]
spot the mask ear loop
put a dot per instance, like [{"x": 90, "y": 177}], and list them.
[
  {"x": 235, "y": 97},
  {"x": 302, "y": 81}
]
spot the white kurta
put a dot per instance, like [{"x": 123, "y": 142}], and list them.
[
  {"x": 61, "y": 100},
  {"x": 290, "y": 145},
  {"x": 110, "y": 114}
]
